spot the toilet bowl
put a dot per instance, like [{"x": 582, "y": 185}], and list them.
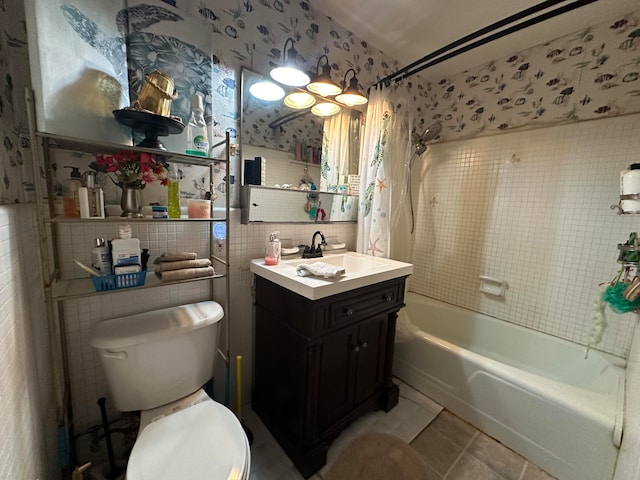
[
  {"x": 157, "y": 362},
  {"x": 194, "y": 437}
]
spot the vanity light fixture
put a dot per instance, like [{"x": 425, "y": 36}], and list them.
[
  {"x": 351, "y": 96},
  {"x": 325, "y": 109},
  {"x": 299, "y": 100},
  {"x": 267, "y": 91},
  {"x": 289, "y": 73},
  {"x": 322, "y": 84}
]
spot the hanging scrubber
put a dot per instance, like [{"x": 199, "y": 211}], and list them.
[{"x": 599, "y": 320}]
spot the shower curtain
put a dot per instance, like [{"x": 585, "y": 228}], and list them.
[
  {"x": 340, "y": 146},
  {"x": 383, "y": 226}
]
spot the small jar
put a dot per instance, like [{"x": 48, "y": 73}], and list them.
[{"x": 159, "y": 211}]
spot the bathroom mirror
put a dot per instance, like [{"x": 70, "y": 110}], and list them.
[
  {"x": 277, "y": 205},
  {"x": 282, "y": 147}
]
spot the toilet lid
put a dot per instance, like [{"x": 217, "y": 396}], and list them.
[{"x": 202, "y": 441}]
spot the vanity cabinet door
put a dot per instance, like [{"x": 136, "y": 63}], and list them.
[
  {"x": 351, "y": 369},
  {"x": 336, "y": 379},
  {"x": 370, "y": 358}
]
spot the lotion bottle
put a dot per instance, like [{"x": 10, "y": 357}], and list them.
[
  {"x": 101, "y": 257},
  {"x": 272, "y": 256},
  {"x": 70, "y": 187}
]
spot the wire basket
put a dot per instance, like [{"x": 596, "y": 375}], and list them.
[{"x": 122, "y": 280}]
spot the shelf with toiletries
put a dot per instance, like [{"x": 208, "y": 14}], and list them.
[
  {"x": 83, "y": 287},
  {"x": 51, "y": 141},
  {"x": 63, "y": 219},
  {"x": 62, "y": 284}
]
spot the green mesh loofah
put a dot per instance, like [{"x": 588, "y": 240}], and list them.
[{"x": 613, "y": 296}]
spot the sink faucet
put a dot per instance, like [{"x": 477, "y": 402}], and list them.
[{"x": 313, "y": 251}]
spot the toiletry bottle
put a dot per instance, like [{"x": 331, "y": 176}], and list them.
[
  {"x": 90, "y": 197},
  {"x": 272, "y": 257},
  {"x": 173, "y": 189},
  {"x": 197, "y": 138},
  {"x": 70, "y": 188},
  {"x": 101, "y": 257}
]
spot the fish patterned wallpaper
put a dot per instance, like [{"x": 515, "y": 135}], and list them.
[
  {"x": 589, "y": 74},
  {"x": 16, "y": 179}
]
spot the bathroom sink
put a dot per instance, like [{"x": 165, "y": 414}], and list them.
[{"x": 360, "y": 271}]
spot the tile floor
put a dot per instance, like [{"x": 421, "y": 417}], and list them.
[{"x": 451, "y": 448}]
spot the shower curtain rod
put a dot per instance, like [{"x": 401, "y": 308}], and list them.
[{"x": 421, "y": 64}]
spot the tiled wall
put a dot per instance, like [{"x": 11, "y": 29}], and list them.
[
  {"x": 27, "y": 403},
  {"x": 88, "y": 382},
  {"x": 532, "y": 208}
]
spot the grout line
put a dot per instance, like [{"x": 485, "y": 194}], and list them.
[
  {"x": 524, "y": 469},
  {"x": 460, "y": 455}
]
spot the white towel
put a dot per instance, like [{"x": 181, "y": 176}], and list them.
[
  {"x": 320, "y": 269},
  {"x": 179, "y": 265}
]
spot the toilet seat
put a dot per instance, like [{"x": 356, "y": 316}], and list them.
[{"x": 203, "y": 441}]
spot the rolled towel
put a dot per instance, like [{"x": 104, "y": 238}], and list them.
[
  {"x": 185, "y": 274},
  {"x": 175, "y": 257},
  {"x": 197, "y": 263},
  {"x": 320, "y": 269}
]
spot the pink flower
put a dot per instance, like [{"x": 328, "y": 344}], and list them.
[{"x": 135, "y": 169}]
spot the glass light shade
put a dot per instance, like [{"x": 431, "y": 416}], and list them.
[
  {"x": 324, "y": 89},
  {"x": 322, "y": 84},
  {"x": 290, "y": 76},
  {"x": 267, "y": 91},
  {"x": 351, "y": 96},
  {"x": 299, "y": 100},
  {"x": 351, "y": 99},
  {"x": 325, "y": 109}
]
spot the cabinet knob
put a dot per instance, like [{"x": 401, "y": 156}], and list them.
[
  {"x": 348, "y": 311},
  {"x": 356, "y": 348},
  {"x": 388, "y": 298},
  {"x": 363, "y": 345}
]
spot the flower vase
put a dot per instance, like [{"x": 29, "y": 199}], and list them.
[{"x": 131, "y": 201}]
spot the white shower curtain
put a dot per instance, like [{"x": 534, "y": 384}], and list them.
[
  {"x": 375, "y": 198},
  {"x": 383, "y": 175},
  {"x": 339, "y": 145}
]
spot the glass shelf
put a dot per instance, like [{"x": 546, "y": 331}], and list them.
[
  {"x": 74, "y": 144},
  {"x": 83, "y": 287},
  {"x": 63, "y": 219}
]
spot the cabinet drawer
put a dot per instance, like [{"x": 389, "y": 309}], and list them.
[{"x": 365, "y": 304}]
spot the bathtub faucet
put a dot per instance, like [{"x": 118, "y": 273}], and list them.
[{"x": 313, "y": 251}]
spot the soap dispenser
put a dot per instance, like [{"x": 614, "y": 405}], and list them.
[
  {"x": 272, "y": 257},
  {"x": 70, "y": 187}
]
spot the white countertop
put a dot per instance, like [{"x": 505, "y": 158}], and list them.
[{"x": 360, "y": 271}]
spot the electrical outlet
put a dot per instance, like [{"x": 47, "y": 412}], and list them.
[{"x": 219, "y": 247}]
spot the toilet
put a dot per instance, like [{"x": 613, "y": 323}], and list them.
[{"x": 157, "y": 362}]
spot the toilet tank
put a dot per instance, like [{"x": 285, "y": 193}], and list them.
[{"x": 153, "y": 358}]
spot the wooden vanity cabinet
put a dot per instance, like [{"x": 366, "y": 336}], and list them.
[{"x": 321, "y": 364}]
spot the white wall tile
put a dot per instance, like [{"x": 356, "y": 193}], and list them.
[{"x": 532, "y": 208}]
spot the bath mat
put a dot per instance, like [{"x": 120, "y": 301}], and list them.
[{"x": 377, "y": 456}]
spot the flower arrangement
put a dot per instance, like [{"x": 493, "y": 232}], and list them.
[{"x": 134, "y": 169}]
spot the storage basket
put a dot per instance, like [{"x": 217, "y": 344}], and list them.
[{"x": 115, "y": 282}]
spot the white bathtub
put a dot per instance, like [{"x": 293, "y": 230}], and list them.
[{"x": 534, "y": 392}]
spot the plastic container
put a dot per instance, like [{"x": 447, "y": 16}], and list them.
[
  {"x": 70, "y": 187},
  {"x": 173, "y": 191},
  {"x": 115, "y": 282},
  {"x": 274, "y": 249},
  {"x": 198, "y": 208},
  {"x": 101, "y": 257},
  {"x": 630, "y": 189},
  {"x": 159, "y": 211},
  {"x": 197, "y": 136},
  {"x": 125, "y": 251}
]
